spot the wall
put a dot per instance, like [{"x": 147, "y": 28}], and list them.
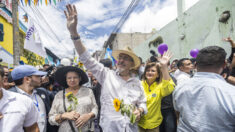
[
  {"x": 6, "y": 50},
  {"x": 129, "y": 39},
  {"x": 201, "y": 27}
]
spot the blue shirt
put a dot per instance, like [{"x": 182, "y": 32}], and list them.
[{"x": 206, "y": 103}]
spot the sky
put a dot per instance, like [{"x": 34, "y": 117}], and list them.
[{"x": 96, "y": 21}]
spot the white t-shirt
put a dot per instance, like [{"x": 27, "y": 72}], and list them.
[{"x": 18, "y": 112}]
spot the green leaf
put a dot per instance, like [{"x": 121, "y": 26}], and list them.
[
  {"x": 69, "y": 108},
  {"x": 122, "y": 111},
  {"x": 132, "y": 118}
]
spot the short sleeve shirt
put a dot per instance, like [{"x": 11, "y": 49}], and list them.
[{"x": 18, "y": 112}]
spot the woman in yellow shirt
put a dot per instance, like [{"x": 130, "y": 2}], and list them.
[{"x": 157, "y": 84}]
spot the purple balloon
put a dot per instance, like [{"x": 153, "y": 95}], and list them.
[
  {"x": 162, "y": 48},
  {"x": 194, "y": 53}
]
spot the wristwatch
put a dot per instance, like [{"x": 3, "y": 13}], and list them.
[{"x": 75, "y": 38}]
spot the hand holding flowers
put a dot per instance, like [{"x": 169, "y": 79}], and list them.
[
  {"x": 127, "y": 109},
  {"x": 72, "y": 98}
]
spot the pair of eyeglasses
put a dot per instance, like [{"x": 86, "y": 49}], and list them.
[{"x": 125, "y": 58}]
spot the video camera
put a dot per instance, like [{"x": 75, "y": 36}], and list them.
[
  {"x": 50, "y": 75},
  {"x": 154, "y": 56}
]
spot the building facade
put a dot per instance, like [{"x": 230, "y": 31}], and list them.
[{"x": 200, "y": 26}]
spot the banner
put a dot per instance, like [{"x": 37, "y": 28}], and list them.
[
  {"x": 33, "y": 42},
  {"x": 108, "y": 54}
]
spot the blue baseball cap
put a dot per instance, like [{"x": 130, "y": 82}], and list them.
[{"x": 24, "y": 71}]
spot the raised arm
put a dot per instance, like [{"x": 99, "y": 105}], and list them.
[
  {"x": 95, "y": 67},
  {"x": 228, "y": 39},
  {"x": 72, "y": 21}
]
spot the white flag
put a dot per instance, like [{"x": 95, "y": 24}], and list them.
[{"x": 33, "y": 42}]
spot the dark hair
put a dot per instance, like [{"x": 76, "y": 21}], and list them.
[
  {"x": 149, "y": 65},
  {"x": 181, "y": 62},
  {"x": 19, "y": 82},
  {"x": 211, "y": 57},
  {"x": 1, "y": 71},
  {"x": 193, "y": 60},
  {"x": 106, "y": 62}
]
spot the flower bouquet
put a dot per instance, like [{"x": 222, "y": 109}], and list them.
[
  {"x": 126, "y": 109},
  {"x": 72, "y": 98}
]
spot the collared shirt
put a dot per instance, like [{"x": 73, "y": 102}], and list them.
[
  {"x": 206, "y": 103},
  {"x": 18, "y": 112},
  {"x": 113, "y": 86},
  {"x": 154, "y": 94},
  {"x": 40, "y": 106},
  {"x": 181, "y": 76}
]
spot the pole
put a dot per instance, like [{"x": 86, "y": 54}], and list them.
[{"x": 16, "y": 44}]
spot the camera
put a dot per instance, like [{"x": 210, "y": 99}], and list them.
[
  {"x": 154, "y": 56},
  {"x": 50, "y": 75}
]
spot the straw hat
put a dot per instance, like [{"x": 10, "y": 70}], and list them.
[{"x": 127, "y": 50}]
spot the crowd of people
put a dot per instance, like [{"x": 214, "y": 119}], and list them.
[{"x": 186, "y": 95}]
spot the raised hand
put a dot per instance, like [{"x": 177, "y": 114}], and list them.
[
  {"x": 71, "y": 16},
  {"x": 228, "y": 39},
  {"x": 164, "y": 60}
]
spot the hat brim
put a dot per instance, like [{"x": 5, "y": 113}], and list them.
[
  {"x": 136, "y": 59},
  {"x": 60, "y": 75},
  {"x": 39, "y": 73}
]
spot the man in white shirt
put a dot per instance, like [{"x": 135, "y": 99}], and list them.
[
  {"x": 17, "y": 112},
  {"x": 27, "y": 78},
  {"x": 183, "y": 72},
  {"x": 115, "y": 84}
]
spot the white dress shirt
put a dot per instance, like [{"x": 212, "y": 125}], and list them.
[
  {"x": 18, "y": 112},
  {"x": 181, "y": 76},
  {"x": 40, "y": 106},
  {"x": 113, "y": 86}
]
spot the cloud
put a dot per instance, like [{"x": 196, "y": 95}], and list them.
[
  {"x": 51, "y": 23},
  {"x": 96, "y": 18},
  {"x": 95, "y": 44},
  {"x": 155, "y": 15},
  {"x": 104, "y": 24}
]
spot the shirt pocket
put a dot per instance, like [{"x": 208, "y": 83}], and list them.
[
  {"x": 134, "y": 96},
  {"x": 14, "y": 115}
]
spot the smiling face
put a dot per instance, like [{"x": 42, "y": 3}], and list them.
[
  {"x": 151, "y": 73},
  {"x": 72, "y": 79},
  {"x": 125, "y": 62}
]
